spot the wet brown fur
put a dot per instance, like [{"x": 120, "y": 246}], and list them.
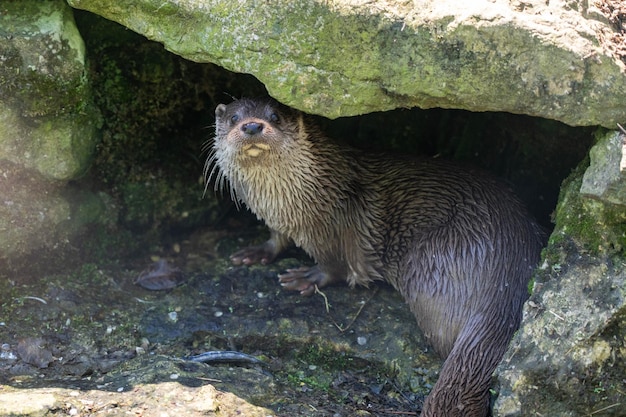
[{"x": 454, "y": 242}]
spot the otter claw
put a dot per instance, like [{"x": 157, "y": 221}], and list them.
[
  {"x": 303, "y": 279},
  {"x": 252, "y": 255}
]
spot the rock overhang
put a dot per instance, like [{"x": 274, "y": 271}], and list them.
[{"x": 349, "y": 57}]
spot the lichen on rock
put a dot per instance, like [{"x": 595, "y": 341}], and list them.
[{"x": 346, "y": 57}]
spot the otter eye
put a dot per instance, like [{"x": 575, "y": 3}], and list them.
[
  {"x": 274, "y": 118},
  {"x": 234, "y": 118}
]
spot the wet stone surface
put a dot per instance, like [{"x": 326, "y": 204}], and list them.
[{"x": 94, "y": 331}]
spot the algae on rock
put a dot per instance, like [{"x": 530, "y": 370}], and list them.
[{"x": 347, "y": 57}]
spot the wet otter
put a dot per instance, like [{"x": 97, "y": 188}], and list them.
[{"x": 454, "y": 242}]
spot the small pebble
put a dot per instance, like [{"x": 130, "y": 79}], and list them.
[
  {"x": 174, "y": 376},
  {"x": 312, "y": 367},
  {"x": 361, "y": 340},
  {"x": 218, "y": 313},
  {"x": 173, "y": 316},
  {"x": 7, "y": 355}
]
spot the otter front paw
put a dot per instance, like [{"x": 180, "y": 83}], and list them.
[
  {"x": 263, "y": 254},
  {"x": 304, "y": 279}
]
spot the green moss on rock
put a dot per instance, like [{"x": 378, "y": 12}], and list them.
[
  {"x": 597, "y": 226},
  {"x": 50, "y": 122},
  {"x": 157, "y": 110}
]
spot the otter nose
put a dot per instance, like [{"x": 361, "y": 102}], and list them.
[{"x": 252, "y": 128}]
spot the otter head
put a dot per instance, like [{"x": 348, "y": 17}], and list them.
[
  {"x": 253, "y": 129},
  {"x": 258, "y": 142}
]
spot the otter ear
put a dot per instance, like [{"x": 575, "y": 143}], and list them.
[{"x": 220, "y": 110}]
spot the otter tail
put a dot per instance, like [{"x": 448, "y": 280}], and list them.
[{"x": 462, "y": 389}]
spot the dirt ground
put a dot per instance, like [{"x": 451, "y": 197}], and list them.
[{"x": 92, "y": 342}]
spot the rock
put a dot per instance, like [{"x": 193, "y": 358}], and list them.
[
  {"x": 48, "y": 119},
  {"x": 549, "y": 59},
  {"x": 27, "y": 403},
  {"x": 605, "y": 178},
  {"x": 37, "y": 215},
  {"x": 49, "y": 129},
  {"x": 164, "y": 399},
  {"x": 568, "y": 357}
]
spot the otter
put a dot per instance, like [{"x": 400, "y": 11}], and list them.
[{"x": 455, "y": 242}]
